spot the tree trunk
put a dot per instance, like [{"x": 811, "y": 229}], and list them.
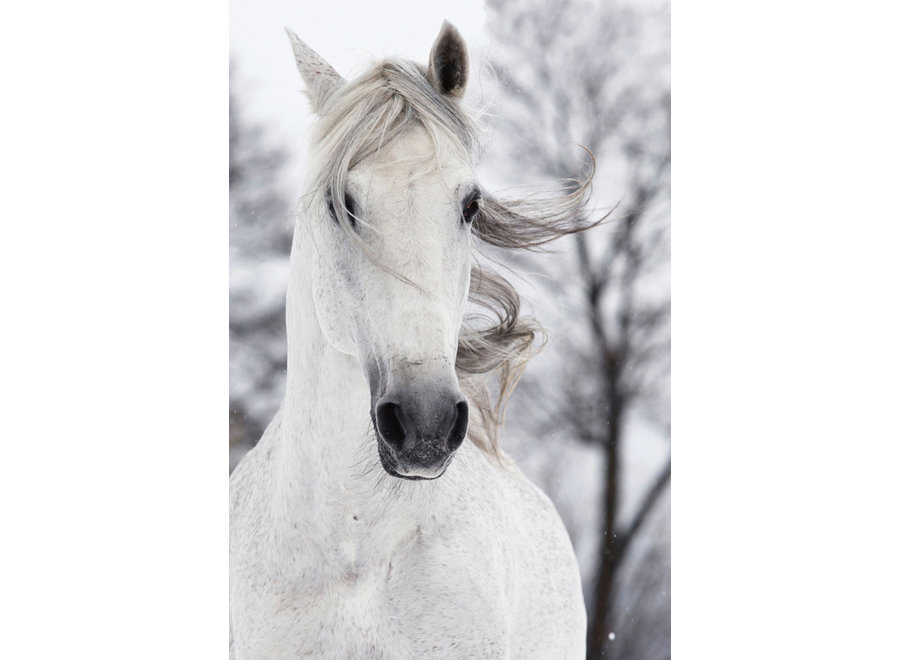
[{"x": 598, "y": 631}]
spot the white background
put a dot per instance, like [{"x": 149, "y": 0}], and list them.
[{"x": 114, "y": 275}]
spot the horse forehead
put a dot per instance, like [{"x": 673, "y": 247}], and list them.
[{"x": 417, "y": 164}]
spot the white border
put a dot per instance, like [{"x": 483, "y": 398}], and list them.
[
  {"x": 785, "y": 336},
  {"x": 114, "y": 262}
]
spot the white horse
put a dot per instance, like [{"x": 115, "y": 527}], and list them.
[{"x": 365, "y": 524}]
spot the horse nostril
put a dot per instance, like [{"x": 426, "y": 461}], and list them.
[
  {"x": 460, "y": 426},
  {"x": 435, "y": 426},
  {"x": 387, "y": 417}
]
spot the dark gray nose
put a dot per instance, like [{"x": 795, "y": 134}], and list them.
[{"x": 423, "y": 431}]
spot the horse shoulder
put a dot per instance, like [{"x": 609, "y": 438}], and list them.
[
  {"x": 505, "y": 548},
  {"x": 549, "y": 611}
]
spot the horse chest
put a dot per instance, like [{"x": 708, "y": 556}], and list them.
[{"x": 422, "y": 602}]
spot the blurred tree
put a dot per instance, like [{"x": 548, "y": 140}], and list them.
[
  {"x": 259, "y": 246},
  {"x": 597, "y": 75}
]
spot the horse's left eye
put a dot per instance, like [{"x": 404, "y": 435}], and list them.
[{"x": 471, "y": 210}]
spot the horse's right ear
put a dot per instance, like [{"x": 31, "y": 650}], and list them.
[{"x": 320, "y": 78}]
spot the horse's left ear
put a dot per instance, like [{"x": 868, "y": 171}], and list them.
[{"x": 448, "y": 64}]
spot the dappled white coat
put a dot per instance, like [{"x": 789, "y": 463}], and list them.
[{"x": 330, "y": 556}]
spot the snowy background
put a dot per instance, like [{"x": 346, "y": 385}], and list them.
[{"x": 590, "y": 421}]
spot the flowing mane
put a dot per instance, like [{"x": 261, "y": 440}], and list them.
[{"x": 495, "y": 342}]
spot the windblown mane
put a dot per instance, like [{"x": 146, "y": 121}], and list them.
[{"x": 495, "y": 344}]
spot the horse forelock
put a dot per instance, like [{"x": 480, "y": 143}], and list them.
[{"x": 386, "y": 102}]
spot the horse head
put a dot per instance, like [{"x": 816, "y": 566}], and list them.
[{"x": 391, "y": 201}]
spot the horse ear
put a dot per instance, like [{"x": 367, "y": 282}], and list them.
[
  {"x": 448, "y": 64},
  {"x": 320, "y": 78}
]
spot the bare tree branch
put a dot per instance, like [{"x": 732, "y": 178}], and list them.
[{"x": 649, "y": 500}]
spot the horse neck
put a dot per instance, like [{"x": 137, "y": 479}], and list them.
[
  {"x": 327, "y": 466},
  {"x": 325, "y": 415}
]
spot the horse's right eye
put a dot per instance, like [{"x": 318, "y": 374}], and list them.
[{"x": 349, "y": 204}]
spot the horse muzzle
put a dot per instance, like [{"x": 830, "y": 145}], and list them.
[{"x": 419, "y": 431}]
